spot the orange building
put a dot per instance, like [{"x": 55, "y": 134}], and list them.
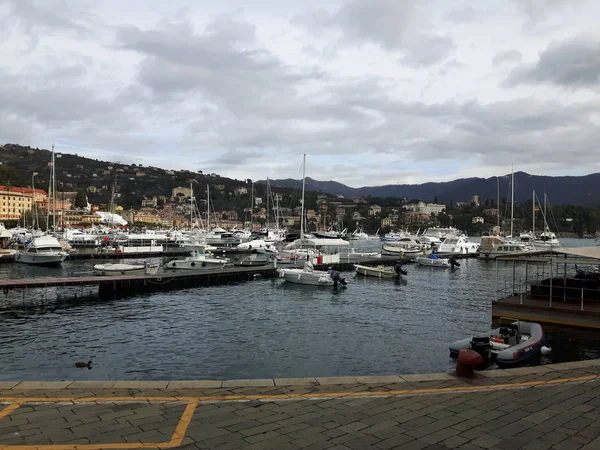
[{"x": 14, "y": 201}]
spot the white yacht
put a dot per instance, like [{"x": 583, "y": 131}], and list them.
[
  {"x": 258, "y": 245},
  {"x": 406, "y": 245},
  {"x": 42, "y": 250},
  {"x": 197, "y": 261},
  {"x": 457, "y": 245},
  {"x": 308, "y": 276},
  {"x": 221, "y": 237},
  {"x": 546, "y": 239},
  {"x": 493, "y": 246}
]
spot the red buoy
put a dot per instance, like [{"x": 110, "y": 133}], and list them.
[{"x": 467, "y": 359}]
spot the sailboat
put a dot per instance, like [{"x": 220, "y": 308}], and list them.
[
  {"x": 493, "y": 246},
  {"x": 46, "y": 249},
  {"x": 308, "y": 275}
]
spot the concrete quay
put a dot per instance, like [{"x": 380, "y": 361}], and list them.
[{"x": 545, "y": 407}]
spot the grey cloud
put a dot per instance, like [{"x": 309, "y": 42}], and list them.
[
  {"x": 574, "y": 62},
  {"x": 464, "y": 15},
  {"x": 42, "y": 15},
  {"x": 507, "y": 56},
  {"x": 398, "y": 26},
  {"x": 220, "y": 65},
  {"x": 428, "y": 50}
]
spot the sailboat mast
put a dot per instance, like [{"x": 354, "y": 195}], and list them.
[
  {"x": 512, "y": 202},
  {"x": 545, "y": 217},
  {"x": 302, "y": 203},
  {"x": 498, "y": 204},
  {"x": 207, "y": 207},
  {"x": 533, "y": 216},
  {"x": 268, "y": 195},
  {"x": 53, "y": 191},
  {"x": 191, "y": 206},
  {"x": 252, "y": 207}
]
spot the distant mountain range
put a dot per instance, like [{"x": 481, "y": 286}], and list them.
[{"x": 574, "y": 190}]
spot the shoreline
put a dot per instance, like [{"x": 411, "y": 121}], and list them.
[{"x": 305, "y": 381}]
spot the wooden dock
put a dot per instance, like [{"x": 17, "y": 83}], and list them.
[
  {"x": 557, "y": 301},
  {"x": 118, "y": 286}
]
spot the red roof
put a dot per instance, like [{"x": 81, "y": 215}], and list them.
[{"x": 22, "y": 190}]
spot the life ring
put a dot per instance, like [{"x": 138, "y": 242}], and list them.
[{"x": 192, "y": 264}]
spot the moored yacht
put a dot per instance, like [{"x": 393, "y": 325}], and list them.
[
  {"x": 42, "y": 250},
  {"x": 457, "y": 245}
]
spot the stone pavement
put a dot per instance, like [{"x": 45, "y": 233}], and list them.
[{"x": 545, "y": 407}]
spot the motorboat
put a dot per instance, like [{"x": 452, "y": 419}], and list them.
[
  {"x": 258, "y": 246},
  {"x": 252, "y": 261},
  {"x": 43, "y": 250},
  {"x": 392, "y": 236},
  {"x": 125, "y": 269},
  {"x": 309, "y": 276},
  {"x": 196, "y": 261},
  {"x": 457, "y": 245},
  {"x": 513, "y": 342},
  {"x": 358, "y": 234},
  {"x": 406, "y": 245},
  {"x": 380, "y": 271},
  {"x": 546, "y": 239},
  {"x": 434, "y": 260},
  {"x": 221, "y": 237},
  {"x": 492, "y": 248}
]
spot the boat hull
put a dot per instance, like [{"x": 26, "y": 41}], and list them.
[
  {"x": 299, "y": 276},
  {"x": 195, "y": 265},
  {"x": 428, "y": 262},
  {"x": 377, "y": 272},
  {"x": 39, "y": 259},
  {"x": 123, "y": 269}
]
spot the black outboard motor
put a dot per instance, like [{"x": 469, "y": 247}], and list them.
[
  {"x": 399, "y": 270},
  {"x": 453, "y": 262},
  {"x": 481, "y": 344},
  {"x": 337, "y": 278}
]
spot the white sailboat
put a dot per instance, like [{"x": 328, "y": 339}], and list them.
[{"x": 307, "y": 275}]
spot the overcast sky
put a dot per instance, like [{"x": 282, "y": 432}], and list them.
[{"x": 373, "y": 91}]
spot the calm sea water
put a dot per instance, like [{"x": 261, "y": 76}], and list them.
[{"x": 262, "y": 328}]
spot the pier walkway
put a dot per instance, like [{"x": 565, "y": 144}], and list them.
[{"x": 544, "y": 407}]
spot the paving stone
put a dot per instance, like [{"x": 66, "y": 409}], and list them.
[
  {"x": 195, "y": 384},
  {"x": 248, "y": 383},
  {"x": 336, "y": 380},
  {"x": 427, "y": 377},
  {"x": 295, "y": 381},
  {"x": 486, "y": 441}
]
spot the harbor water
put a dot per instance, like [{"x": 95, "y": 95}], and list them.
[{"x": 265, "y": 328}]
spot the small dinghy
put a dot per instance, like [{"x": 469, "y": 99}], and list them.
[
  {"x": 513, "y": 342},
  {"x": 380, "y": 271},
  {"x": 434, "y": 260},
  {"x": 125, "y": 269}
]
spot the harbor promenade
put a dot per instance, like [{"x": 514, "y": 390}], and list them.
[{"x": 545, "y": 407}]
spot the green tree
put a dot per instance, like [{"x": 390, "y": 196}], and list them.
[{"x": 81, "y": 200}]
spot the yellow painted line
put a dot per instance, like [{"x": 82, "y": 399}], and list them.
[
  {"x": 183, "y": 424},
  {"x": 10, "y": 408},
  {"x": 192, "y": 402},
  {"x": 300, "y": 396},
  {"x": 551, "y": 322}
]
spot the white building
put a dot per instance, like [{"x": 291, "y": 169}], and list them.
[{"x": 427, "y": 208}]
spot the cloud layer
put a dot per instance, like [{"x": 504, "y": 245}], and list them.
[{"x": 374, "y": 91}]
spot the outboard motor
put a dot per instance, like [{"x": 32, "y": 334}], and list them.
[
  {"x": 337, "y": 278},
  {"x": 453, "y": 262},
  {"x": 399, "y": 270},
  {"x": 481, "y": 345}
]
